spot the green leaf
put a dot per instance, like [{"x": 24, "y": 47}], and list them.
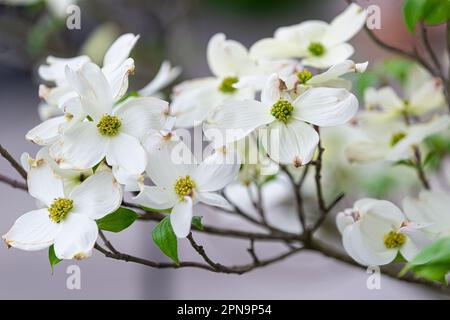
[
  {"x": 436, "y": 11},
  {"x": 165, "y": 239},
  {"x": 52, "y": 258},
  {"x": 433, "y": 262},
  {"x": 117, "y": 221},
  {"x": 197, "y": 222},
  {"x": 413, "y": 12}
]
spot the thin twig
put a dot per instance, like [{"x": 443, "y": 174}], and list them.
[
  {"x": 201, "y": 251},
  {"x": 13, "y": 183},
  {"x": 419, "y": 168},
  {"x": 252, "y": 252},
  {"x": 5, "y": 154}
]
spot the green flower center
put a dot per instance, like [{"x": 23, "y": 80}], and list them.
[
  {"x": 282, "y": 110},
  {"x": 396, "y": 137},
  {"x": 394, "y": 240},
  {"x": 60, "y": 208},
  {"x": 184, "y": 186},
  {"x": 227, "y": 85},
  {"x": 316, "y": 49},
  {"x": 109, "y": 125},
  {"x": 304, "y": 75}
]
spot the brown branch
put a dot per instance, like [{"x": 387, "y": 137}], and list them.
[
  {"x": 13, "y": 183},
  {"x": 237, "y": 269},
  {"x": 201, "y": 251},
  {"x": 5, "y": 154},
  {"x": 299, "y": 200},
  {"x": 419, "y": 168},
  {"x": 430, "y": 51}
]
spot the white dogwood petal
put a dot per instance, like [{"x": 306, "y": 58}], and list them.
[
  {"x": 119, "y": 51},
  {"x": 332, "y": 56},
  {"x": 126, "y": 151},
  {"x": 227, "y": 58},
  {"x": 156, "y": 197},
  {"x": 32, "y": 231},
  {"x": 139, "y": 115},
  {"x": 272, "y": 48},
  {"x": 215, "y": 172},
  {"x": 76, "y": 238},
  {"x": 97, "y": 196},
  {"x": 181, "y": 217},
  {"x": 82, "y": 147},
  {"x": 346, "y": 25},
  {"x": 94, "y": 90},
  {"x": 46, "y": 132},
  {"x": 43, "y": 183},
  {"x": 326, "y": 106},
  {"x": 213, "y": 199},
  {"x": 166, "y": 75},
  {"x": 291, "y": 143}
]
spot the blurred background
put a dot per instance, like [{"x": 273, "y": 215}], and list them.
[{"x": 176, "y": 30}]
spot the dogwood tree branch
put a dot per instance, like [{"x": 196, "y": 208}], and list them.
[
  {"x": 419, "y": 168},
  {"x": 13, "y": 183},
  {"x": 16, "y": 165}
]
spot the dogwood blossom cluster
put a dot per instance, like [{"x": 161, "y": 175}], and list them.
[{"x": 100, "y": 144}]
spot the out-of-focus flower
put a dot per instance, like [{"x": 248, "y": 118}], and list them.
[
  {"x": 289, "y": 138},
  {"x": 423, "y": 94},
  {"x": 166, "y": 75},
  {"x": 320, "y": 44},
  {"x": 375, "y": 231},
  {"x": 236, "y": 77},
  {"x": 430, "y": 208},
  {"x": 393, "y": 140},
  {"x": 179, "y": 186},
  {"x": 68, "y": 219}
]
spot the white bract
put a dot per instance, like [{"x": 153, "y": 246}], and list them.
[
  {"x": 320, "y": 44},
  {"x": 114, "y": 132},
  {"x": 166, "y": 75},
  {"x": 304, "y": 79},
  {"x": 67, "y": 220},
  {"x": 179, "y": 186},
  {"x": 236, "y": 77},
  {"x": 375, "y": 231},
  {"x": 289, "y": 137},
  {"x": 430, "y": 208}
]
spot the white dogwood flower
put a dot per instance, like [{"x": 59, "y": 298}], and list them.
[
  {"x": 320, "y": 44},
  {"x": 289, "y": 138},
  {"x": 375, "y": 231},
  {"x": 68, "y": 219},
  {"x": 236, "y": 76},
  {"x": 114, "y": 132},
  {"x": 392, "y": 140},
  {"x": 180, "y": 186}
]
